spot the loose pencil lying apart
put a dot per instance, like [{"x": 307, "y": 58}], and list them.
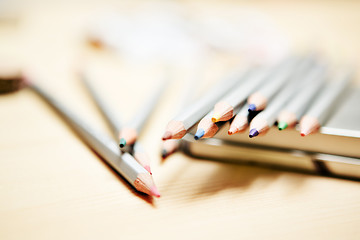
[
  {"x": 114, "y": 123},
  {"x": 124, "y": 163}
]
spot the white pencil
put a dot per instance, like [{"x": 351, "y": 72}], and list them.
[
  {"x": 124, "y": 164},
  {"x": 240, "y": 122},
  {"x": 296, "y": 107},
  {"x": 224, "y": 109},
  {"x": 130, "y": 131},
  {"x": 114, "y": 123},
  {"x": 323, "y": 106},
  {"x": 259, "y": 99},
  {"x": 178, "y": 127},
  {"x": 170, "y": 146},
  {"x": 265, "y": 119},
  {"x": 207, "y": 128}
]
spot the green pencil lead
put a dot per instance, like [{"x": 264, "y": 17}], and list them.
[
  {"x": 282, "y": 125},
  {"x": 122, "y": 142}
]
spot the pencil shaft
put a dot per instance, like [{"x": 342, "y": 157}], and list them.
[
  {"x": 278, "y": 79},
  {"x": 315, "y": 79},
  {"x": 278, "y": 102},
  {"x": 198, "y": 109},
  {"x": 104, "y": 146},
  {"x": 113, "y": 122},
  {"x": 241, "y": 92},
  {"x": 138, "y": 121},
  {"x": 328, "y": 97}
]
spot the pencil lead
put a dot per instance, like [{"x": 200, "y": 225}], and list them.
[
  {"x": 253, "y": 133},
  {"x": 122, "y": 142},
  {"x": 147, "y": 167},
  {"x": 302, "y": 134},
  {"x": 167, "y": 135},
  {"x": 215, "y": 118},
  {"x": 164, "y": 154},
  {"x": 282, "y": 125},
  {"x": 252, "y": 107},
  {"x": 154, "y": 192},
  {"x": 232, "y": 130},
  {"x": 199, "y": 134}
]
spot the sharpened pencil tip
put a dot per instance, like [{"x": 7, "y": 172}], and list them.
[
  {"x": 122, "y": 142},
  {"x": 164, "y": 154},
  {"x": 167, "y": 135},
  {"x": 252, "y": 108},
  {"x": 199, "y": 134},
  {"x": 154, "y": 192},
  {"x": 232, "y": 131},
  {"x": 215, "y": 118},
  {"x": 147, "y": 167},
  {"x": 282, "y": 125},
  {"x": 302, "y": 134},
  {"x": 253, "y": 133}
]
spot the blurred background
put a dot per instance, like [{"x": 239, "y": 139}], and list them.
[{"x": 129, "y": 43}]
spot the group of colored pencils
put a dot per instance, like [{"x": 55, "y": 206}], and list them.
[
  {"x": 128, "y": 157},
  {"x": 299, "y": 89},
  {"x": 127, "y": 134}
]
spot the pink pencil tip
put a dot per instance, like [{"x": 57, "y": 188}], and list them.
[
  {"x": 154, "y": 192},
  {"x": 167, "y": 135},
  {"x": 147, "y": 167}
]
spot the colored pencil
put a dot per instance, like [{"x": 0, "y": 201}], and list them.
[
  {"x": 170, "y": 146},
  {"x": 178, "y": 126},
  {"x": 124, "y": 164},
  {"x": 297, "y": 106},
  {"x": 240, "y": 122},
  {"x": 265, "y": 119},
  {"x": 113, "y": 122},
  {"x": 129, "y": 133},
  {"x": 207, "y": 128},
  {"x": 224, "y": 109},
  {"x": 259, "y": 99},
  {"x": 324, "y": 103}
]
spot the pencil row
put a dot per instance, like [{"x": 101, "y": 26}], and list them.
[{"x": 298, "y": 89}]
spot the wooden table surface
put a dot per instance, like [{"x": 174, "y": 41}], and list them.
[{"x": 53, "y": 187}]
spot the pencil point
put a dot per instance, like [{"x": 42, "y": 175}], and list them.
[
  {"x": 253, "y": 133},
  {"x": 215, "y": 118},
  {"x": 232, "y": 131},
  {"x": 302, "y": 134},
  {"x": 252, "y": 108},
  {"x": 282, "y": 125},
  {"x": 147, "y": 167},
  {"x": 122, "y": 142},
  {"x": 154, "y": 192},
  {"x": 167, "y": 135},
  {"x": 164, "y": 154},
  {"x": 199, "y": 134}
]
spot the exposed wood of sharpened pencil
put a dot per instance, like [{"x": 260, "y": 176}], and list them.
[
  {"x": 264, "y": 120},
  {"x": 259, "y": 99},
  {"x": 323, "y": 106},
  {"x": 178, "y": 127},
  {"x": 224, "y": 109},
  {"x": 314, "y": 81},
  {"x": 170, "y": 146},
  {"x": 114, "y": 123},
  {"x": 124, "y": 164},
  {"x": 240, "y": 122},
  {"x": 207, "y": 128},
  {"x": 129, "y": 133}
]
